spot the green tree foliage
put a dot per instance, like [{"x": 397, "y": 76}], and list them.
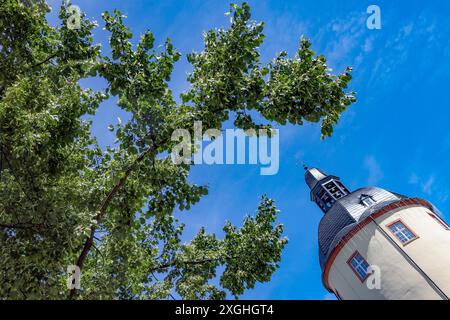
[{"x": 64, "y": 200}]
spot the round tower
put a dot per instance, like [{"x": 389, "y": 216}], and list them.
[{"x": 376, "y": 244}]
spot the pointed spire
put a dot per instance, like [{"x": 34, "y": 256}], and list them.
[{"x": 312, "y": 176}]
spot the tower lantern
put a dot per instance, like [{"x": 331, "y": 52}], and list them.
[
  {"x": 377, "y": 244},
  {"x": 325, "y": 190}
]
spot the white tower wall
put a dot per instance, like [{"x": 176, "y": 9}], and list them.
[{"x": 418, "y": 269}]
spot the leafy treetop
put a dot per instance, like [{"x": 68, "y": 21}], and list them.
[{"x": 64, "y": 200}]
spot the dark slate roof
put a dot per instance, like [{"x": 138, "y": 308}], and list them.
[
  {"x": 345, "y": 214},
  {"x": 312, "y": 176}
]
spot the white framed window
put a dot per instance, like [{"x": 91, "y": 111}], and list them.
[
  {"x": 359, "y": 266},
  {"x": 402, "y": 232}
]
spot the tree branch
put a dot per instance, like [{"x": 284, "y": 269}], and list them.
[
  {"x": 189, "y": 262},
  {"x": 102, "y": 210},
  {"x": 25, "y": 225},
  {"x": 45, "y": 60}
]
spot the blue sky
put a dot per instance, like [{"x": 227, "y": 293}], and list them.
[{"x": 396, "y": 136}]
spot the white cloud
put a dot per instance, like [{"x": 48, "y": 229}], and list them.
[
  {"x": 407, "y": 29},
  {"x": 430, "y": 186},
  {"x": 375, "y": 172},
  {"x": 427, "y": 186},
  {"x": 368, "y": 45},
  {"x": 347, "y": 36},
  {"x": 413, "y": 179},
  {"x": 443, "y": 197}
]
